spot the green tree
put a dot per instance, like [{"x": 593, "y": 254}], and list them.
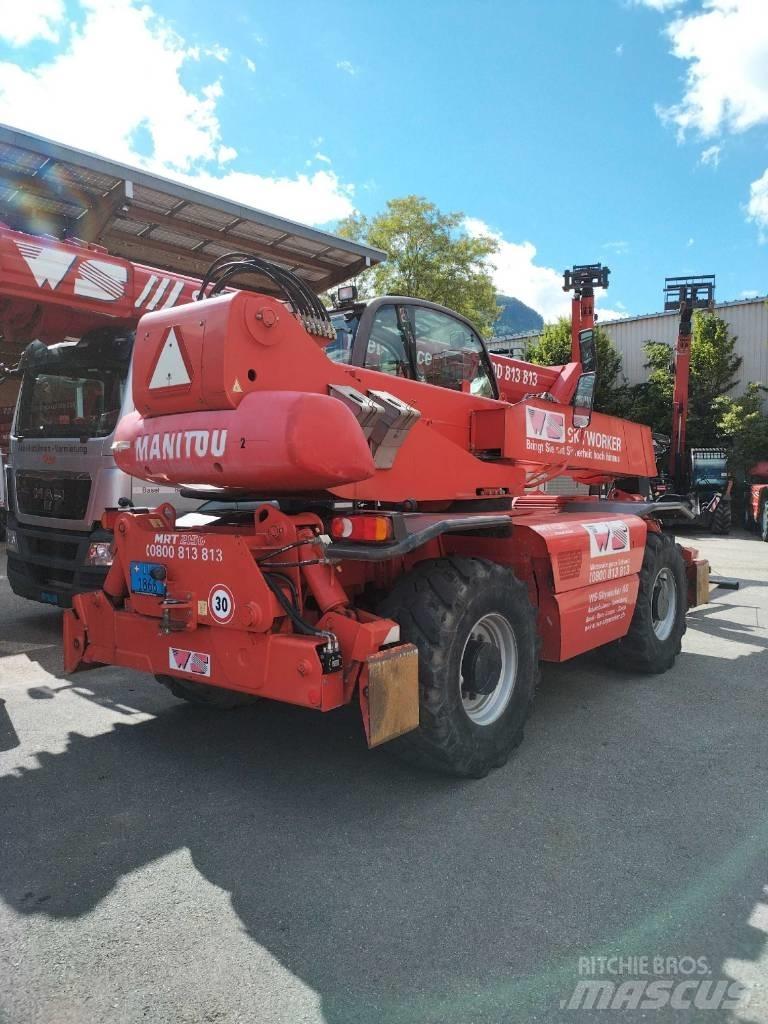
[
  {"x": 554, "y": 348},
  {"x": 743, "y": 426},
  {"x": 714, "y": 371},
  {"x": 429, "y": 256}
]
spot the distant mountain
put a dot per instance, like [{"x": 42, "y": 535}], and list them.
[{"x": 515, "y": 317}]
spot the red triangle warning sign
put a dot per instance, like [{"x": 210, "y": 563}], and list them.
[{"x": 171, "y": 369}]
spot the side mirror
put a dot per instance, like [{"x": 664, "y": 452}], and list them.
[
  {"x": 584, "y": 399},
  {"x": 588, "y": 351}
]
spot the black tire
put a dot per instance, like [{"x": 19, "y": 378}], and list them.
[
  {"x": 762, "y": 516},
  {"x": 721, "y": 520},
  {"x": 643, "y": 649},
  {"x": 202, "y": 693},
  {"x": 439, "y": 605}
]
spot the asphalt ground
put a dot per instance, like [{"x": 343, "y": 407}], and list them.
[{"x": 161, "y": 863}]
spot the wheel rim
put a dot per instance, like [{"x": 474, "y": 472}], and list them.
[
  {"x": 664, "y": 603},
  {"x": 486, "y": 708}
]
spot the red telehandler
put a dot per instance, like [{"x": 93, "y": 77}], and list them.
[
  {"x": 696, "y": 478},
  {"x": 371, "y": 531}
]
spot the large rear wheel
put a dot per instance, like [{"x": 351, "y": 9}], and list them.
[
  {"x": 475, "y": 630},
  {"x": 658, "y": 623},
  {"x": 203, "y": 693}
]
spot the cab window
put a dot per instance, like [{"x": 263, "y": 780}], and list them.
[
  {"x": 449, "y": 354},
  {"x": 387, "y": 349},
  {"x": 340, "y": 349}
]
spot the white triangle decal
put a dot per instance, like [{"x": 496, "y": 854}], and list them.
[{"x": 170, "y": 369}]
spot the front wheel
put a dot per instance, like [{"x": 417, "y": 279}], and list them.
[
  {"x": 658, "y": 623},
  {"x": 721, "y": 519},
  {"x": 475, "y": 630}
]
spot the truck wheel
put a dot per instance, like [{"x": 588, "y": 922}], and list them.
[
  {"x": 202, "y": 693},
  {"x": 721, "y": 520},
  {"x": 658, "y": 623},
  {"x": 475, "y": 629}
]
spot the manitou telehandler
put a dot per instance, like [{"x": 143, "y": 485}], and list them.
[{"x": 373, "y": 531}]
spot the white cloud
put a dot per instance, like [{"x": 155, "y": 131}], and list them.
[
  {"x": 225, "y": 154},
  {"x": 619, "y": 247},
  {"x": 604, "y": 313},
  {"x": 726, "y": 84},
  {"x": 749, "y": 293},
  {"x": 515, "y": 272},
  {"x": 659, "y": 5},
  {"x": 347, "y": 67},
  {"x": 689, "y": 243},
  {"x": 757, "y": 207},
  {"x": 322, "y": 158},
  {"x": 218, "y": 52},
  {"x": 58, "y": 99},
  {"x": 21, "y": 23},
  {"x": 619, "y": 50},
  {"x": 250, "y": 64},
  {"x": 308, "y": 198},
  {"x": 711, "y": 156}
]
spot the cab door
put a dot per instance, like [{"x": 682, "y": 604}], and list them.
[
  {"x": 448, "y": 353},
  {"x": 384, "y": 341}
]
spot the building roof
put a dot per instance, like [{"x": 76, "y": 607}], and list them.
[
  {"x": 49, "y": 188},
  {"x": 647, "y": 316}
]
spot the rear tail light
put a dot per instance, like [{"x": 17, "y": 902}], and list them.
[{"x": 361, "y": 528}]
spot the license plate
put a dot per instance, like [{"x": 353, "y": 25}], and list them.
[
  {"x": 48, "y": 597},
  {"x": 143, "y": 581}
]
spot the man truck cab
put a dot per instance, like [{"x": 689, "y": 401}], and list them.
[{"x": 61, "y": 473}]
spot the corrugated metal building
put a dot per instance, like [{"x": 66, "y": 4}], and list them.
[{"x": 746, "y": 318}]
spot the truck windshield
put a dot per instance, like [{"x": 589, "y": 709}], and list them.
[{"x": 76, "y": 401}]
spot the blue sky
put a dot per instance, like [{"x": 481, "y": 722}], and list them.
[{"x": 633, "y": 132}]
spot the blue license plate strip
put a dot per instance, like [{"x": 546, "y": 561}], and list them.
[{"x": 142, "y": 580}]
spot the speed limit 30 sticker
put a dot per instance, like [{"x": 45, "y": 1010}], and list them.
[{"x": 221, "y": 603}]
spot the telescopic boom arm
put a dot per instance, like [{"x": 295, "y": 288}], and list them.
[
  {"x": 684, "y": 294},
  {"x": 583, "y": 280}
]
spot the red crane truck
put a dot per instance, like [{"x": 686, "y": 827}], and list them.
[{"x": 374, "y": 531}]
